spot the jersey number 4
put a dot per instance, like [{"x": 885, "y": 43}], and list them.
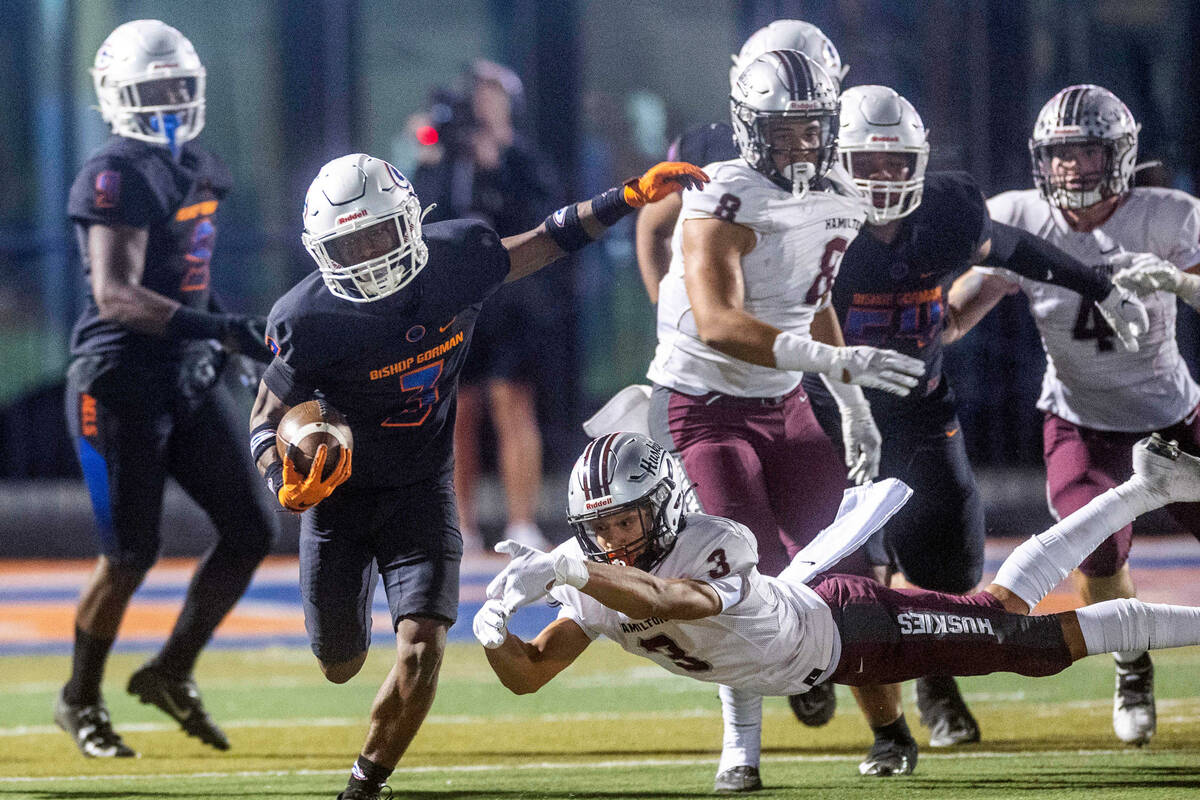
[
  {"x": 666, "y": 645},
  {"x": 420, "y": 393},
  {"x": 1090, "y": 324}
]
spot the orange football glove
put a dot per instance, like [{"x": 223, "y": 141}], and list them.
[
  {"x": 300, "y": 492},
  {"x": 661, "y": 180}
]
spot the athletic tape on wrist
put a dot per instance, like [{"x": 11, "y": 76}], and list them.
[
  {"x": 262, "y": 439},
  {"x": 610, "y": 207}
]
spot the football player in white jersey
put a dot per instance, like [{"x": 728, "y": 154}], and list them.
[
  {"x": 1099, "y": 398},
  {"x": 683, "y": 591}
]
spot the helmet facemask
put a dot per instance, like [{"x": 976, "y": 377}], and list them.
[
  {"x": 892, "y": 199},
  {"x": 645, "y": 551},
  {"x": 375, "y": 258},
  {"x": 802, "y": 165},
  {"x": 1079, "y": 190}
]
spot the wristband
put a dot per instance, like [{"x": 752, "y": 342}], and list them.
[
  {"x": 188, "y": 323},
  {"x": 262, "y": 439},
  {"x": 566, "y": 230},
  {"x": 610, "y": 207},
  {"x": 274, "y": 477}
]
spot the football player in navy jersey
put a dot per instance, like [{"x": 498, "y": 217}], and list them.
[
  {"x": 923, "y": 230},
  {"x": 380, "y": 330},
  {"x": 143, "y": 400}
]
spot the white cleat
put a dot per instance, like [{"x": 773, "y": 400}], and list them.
[
  {"x": 1134, "y": 716},
  {"x": 1167, "y": 472}
]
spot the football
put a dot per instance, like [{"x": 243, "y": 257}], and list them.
[{"x": 308, "y": 426}]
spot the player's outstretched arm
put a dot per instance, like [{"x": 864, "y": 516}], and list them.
[
  {"x": 576, "y": 225},
  {"x": 972, "y": 295},
  {"x": 640, "y": 595},
  {"x": 1031, "y": 256},
  {"x": 524, "y": 667}
]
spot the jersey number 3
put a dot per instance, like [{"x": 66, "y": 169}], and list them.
[
  {"x": 666, "y": 645},
  {"x": 420, "y": 393}
]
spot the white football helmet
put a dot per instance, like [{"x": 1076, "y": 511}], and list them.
[
  {"x": 362, "y": 225},
  {"x": 778, "y": 87},
  {"x": 876, "y": 119},
  {"x": 790, "y": 34},
  {"x": 150, "y": 83},
  {"x": 619, "y": 472},
  {"x": 1085, "y": 114}
]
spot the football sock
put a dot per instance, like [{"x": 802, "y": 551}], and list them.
[
  {"x": 1127, "y": 657},
  {"x": 1042, "y": 561},
  {"x": 219, "y": 582},
  {"x": 1130, "y": 625},
  {"x": 894, "y": 732},
  {"x": 367, "y": 776},
  {"x": 741, "y": 712},
  {"x": 87, "y": 668}
]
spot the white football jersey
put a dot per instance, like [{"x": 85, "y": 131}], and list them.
[
  {"x": 1092, "y": 381},
  {"x": 786, "y": 277},
  {"x": 769, "y": 638}
]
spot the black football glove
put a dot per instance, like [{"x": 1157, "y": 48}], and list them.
[{"x": 246, "y": 335}]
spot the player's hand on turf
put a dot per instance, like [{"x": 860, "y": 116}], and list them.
[
  {"x": 491, "y": 624},
  {"x": 531, "y": 574},
  {"x": 878, "y": 369},
  {"x": 1145, "y": 273},
  {"x": 661, "y": 180},
  {"x": 862, "y": 441},
  {"x": 300, "y": 492},
  {"x": 247, "y": 335},
  {"x": 1126, "y": 315}
]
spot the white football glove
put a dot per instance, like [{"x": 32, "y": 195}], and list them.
[
  {"x": 861, "y": 438},
  {"x": 491, "y": 624},
  {"x": 1145, "y": 273},
  {"x": 864, "y": 366},
  {"x": 532, "y": 574},
  {"x": 1126, "y": 315},
  {"x": 878, "y": 369}
]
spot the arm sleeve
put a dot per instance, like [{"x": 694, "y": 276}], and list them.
[
  {"x": 112, "y": 192},
  {"x": 1031, "y": 256}
]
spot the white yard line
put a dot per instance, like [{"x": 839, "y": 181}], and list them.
[{"x": 556, "y": 765}]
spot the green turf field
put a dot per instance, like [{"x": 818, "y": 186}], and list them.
[{"x": 612, "y": 726}]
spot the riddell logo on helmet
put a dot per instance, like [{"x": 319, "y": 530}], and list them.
[
  {"x": 885, "y": 138},
  {"x": 802, "y": 105},
  {"x": 601, "y": 503},
  {"x": 362, "y": 212}
]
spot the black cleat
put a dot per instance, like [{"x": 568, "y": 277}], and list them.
[
  {"x": 738, "y": 779},
  {"x": 179, "y": 699},
  {"x": 945, "y": 713},
  {"x": 91, "y": 729},
  {"x": 815, "y": 707},
  {"x": 889, "y": 757},
  {"x": 363, "y": 794}
]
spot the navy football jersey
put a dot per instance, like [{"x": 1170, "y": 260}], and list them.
[
  {"x": 138, "y": 184},
  {"x": 893, "y": 295},
  {"x": 704, "y": 144},
  {"x": 391, "y": 365}
]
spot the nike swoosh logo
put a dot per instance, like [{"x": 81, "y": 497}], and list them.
[
  {"x": 952, "y": 434},
  {"x": 177, "y": 712},
  {"x": 1112, "y": 249},
  {"x": 442, "y": 329},
  {"x": 860, "y": 665}
]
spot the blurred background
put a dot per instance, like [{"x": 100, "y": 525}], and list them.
[{"x": 603, "y": 86}]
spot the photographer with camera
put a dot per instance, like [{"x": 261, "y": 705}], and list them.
[{"x": 488, "y": 171}]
